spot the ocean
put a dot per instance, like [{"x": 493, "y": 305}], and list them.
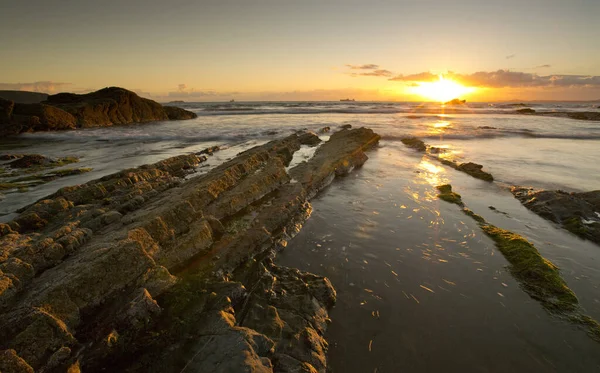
[{"x": 420, "y": 287}]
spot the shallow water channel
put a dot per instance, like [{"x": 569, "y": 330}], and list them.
[{"x": 422, "y": 289}]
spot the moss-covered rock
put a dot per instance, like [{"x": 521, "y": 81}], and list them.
[
  {"x": 448, "y": 195},
  {"x": 539, "y": 277}
]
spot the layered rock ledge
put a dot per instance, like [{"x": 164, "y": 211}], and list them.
[
  {"x": 153, "y": 270},
  {"x": 106, "y": 107},
  {"x": 578, "y": 213}
]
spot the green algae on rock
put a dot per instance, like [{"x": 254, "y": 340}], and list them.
[
  {"x": 538, "y": 276},
  {"x": 448, "y": 195}
]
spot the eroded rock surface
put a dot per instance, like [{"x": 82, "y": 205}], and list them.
[
  {"x": 578, "y": 213},
  {"x": 106, "y": 107},
  {"x": 149, "y": 270}
]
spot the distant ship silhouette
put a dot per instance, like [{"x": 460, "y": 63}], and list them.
[{"x": 347, "y": 99}]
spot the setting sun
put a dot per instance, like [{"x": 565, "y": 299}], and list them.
[{"x": 441, "y": 90}]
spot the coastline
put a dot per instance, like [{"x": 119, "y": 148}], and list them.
[{"x": 443, "y": 158}]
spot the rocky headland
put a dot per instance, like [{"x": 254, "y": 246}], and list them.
[
  {"x": 155, "y": 269},
  {"x": 106, "y": 107}
]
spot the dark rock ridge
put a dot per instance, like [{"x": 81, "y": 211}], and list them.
[
  {"x": 579, "y": 115},
  {"x": 473, "y": 169},
  {"x": 148, "y": 270},
  {"x": 525, "y": 111},
  {"x": 456, "y": 101},
  {"x": 106, "y": 107},
  {"x": 578, "y": 213}
]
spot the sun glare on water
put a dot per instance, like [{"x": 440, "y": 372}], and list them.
[{"x": 442, "y": 90}]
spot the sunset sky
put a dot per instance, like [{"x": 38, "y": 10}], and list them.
[{"x": 303, "y": 50}]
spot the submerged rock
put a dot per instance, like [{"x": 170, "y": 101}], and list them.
[
  {"x": 578, "y": 213},
  {"x": 145, "y": 271},
  {"x": 415, "y": 143},
  {"x": 210, "y": 150},
  {"x": 436, "y": 150},
  {"x": 30, "y": 160},
  {"x": 525, "y": 111},
  {"x": 39, "y": 161},
  {"x": 473, "y": 169}
]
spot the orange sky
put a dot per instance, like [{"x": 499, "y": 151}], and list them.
[{"x": 303, "y": 50}]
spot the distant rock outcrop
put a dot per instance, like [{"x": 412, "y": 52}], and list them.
[
  {"x": 455, "y": 101},
  {"x": 106, "y": 107}
]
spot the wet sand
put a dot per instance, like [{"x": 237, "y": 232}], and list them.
[{"x": 421, "y": 288}]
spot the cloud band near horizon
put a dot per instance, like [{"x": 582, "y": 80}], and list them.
[{"x": 506, "y": 79}]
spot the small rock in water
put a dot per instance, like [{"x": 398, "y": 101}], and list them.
[{"x": 209, "y": 150}]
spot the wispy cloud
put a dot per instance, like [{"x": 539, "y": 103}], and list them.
[
  {"x": 420, "y": 77},
  {"x": 379, "y": 72},
  {"x": 41, "y": 86},
  {"x": 363, "y": 67},
  {"x": 510, "y": 56},
  {"x": 506, "y": 78},
  {"x": 371, "y": 70}
]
